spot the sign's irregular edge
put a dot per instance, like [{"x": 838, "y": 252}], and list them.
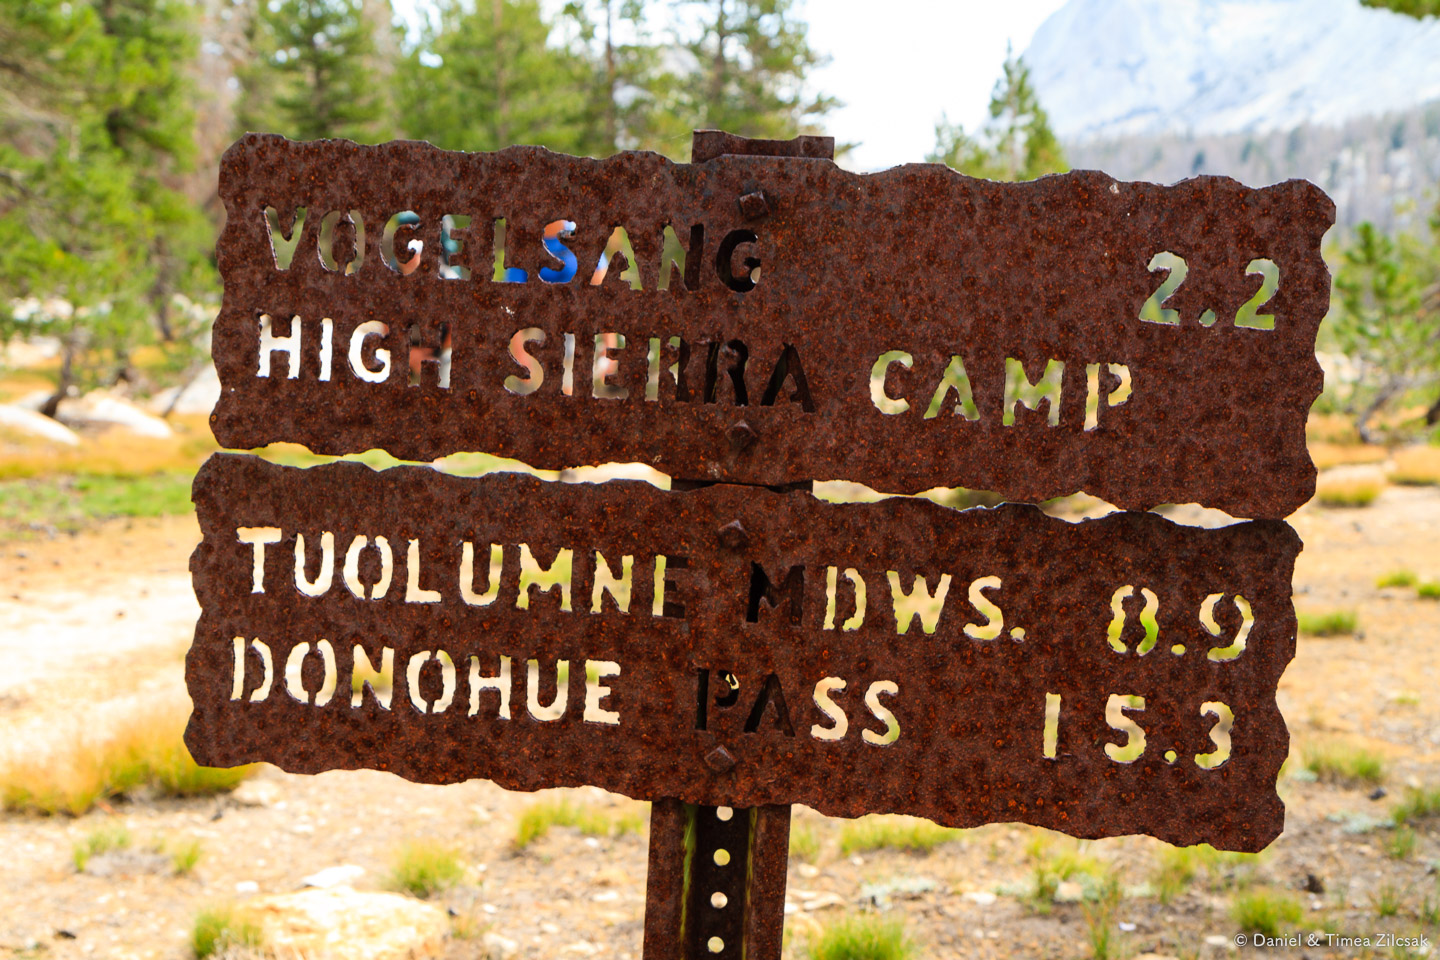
[
  {"x": 234, "y": 489},
  {"x": 1241, "y": 448}
]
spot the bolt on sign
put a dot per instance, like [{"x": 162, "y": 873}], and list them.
[{"x": 750, "y": 322}]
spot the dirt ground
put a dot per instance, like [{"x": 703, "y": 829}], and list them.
[{"x": 96, "y": 623}]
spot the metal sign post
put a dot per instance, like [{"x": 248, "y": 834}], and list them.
[{"x": 750, "y": 323}]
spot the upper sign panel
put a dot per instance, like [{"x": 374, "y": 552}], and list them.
[{"x": 771, "y": 320}]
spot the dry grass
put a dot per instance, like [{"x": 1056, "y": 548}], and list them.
[
  {"x": 1417, "y": 466},
  {"x": 144, "y": 752},
  {"x": 538, "y": 819},
  {"x": 1348, "y": 491},
  {"x": 1327, "y": 455}
]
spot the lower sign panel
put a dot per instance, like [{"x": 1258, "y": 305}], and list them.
[{"x": 734, "y": 646}]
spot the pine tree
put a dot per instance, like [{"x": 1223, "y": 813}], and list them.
[
  {"x": 1016, "y": 143},
  {"x": 751, "y": 62},
  {"x": 486, "y": 76},
  {"x": 622, "y": 100},
  {"x": 1412, "y": 8},
  {"x": 312, "y": 78}
]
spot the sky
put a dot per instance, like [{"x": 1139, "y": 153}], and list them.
[{"x": 899, "y": 72}]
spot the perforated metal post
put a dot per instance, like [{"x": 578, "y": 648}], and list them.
[{"x": 715, "y": 889}]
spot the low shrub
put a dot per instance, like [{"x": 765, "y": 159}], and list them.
[
  {"x": 1332, "y": 623},
  {"x": 893, "y": 833},
  {"x": 422, "y": 868},
  {"x": 861, "y": 937}
]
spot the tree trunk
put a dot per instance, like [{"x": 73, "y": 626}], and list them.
[
  {"x": 67, "y": 376},
  {"x": 1432, "y": 415},
  {"x": 502, "y": 103},
  {"x": 612, "y": 125}
]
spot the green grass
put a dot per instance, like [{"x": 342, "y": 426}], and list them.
[
  {"x": 1100, "y": 926},
  {"x": 1429, "y": 590},
  {"x": 1420, "y": 803},
  {"x": 1175, "y": 869},
  {"x": 147, "y": 751},
  {"x": 804, "y": 841},
  {"x": 861, "y": 937},
  {"x": 1264, "y": 911},
  {"x": 1397, "y": 578},
  {"x": 219, "y": 928},
  {"x": 1333, "y": 623},
  {"x": 893, "y": 833},
  {"x": 422, "y": 868},
  {"x": 1340, "y": 763},
  {"x": 1347, "y": 493},
  {"x": 70, "y": 503},
  {"x": 185, "y": 855},
  {"x": 1388, "y": 901},
  {"x": 1052, "y": 867},
  {"x": 102, "y": 840},
  {"x": 537, "y": 820}
]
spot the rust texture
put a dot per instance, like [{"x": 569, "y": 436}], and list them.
[
  {"x": 772, "y": 384},
  {"x": 682, "y": 915},
  {"x": 715, "y": 701}
]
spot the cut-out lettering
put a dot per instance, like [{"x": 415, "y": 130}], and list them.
[
  {"x": 883, "y": 402},
  {"x": 762, "y": 589},
  {"x": 672, "y": 254},
  {"x": 918, "y": 602},
  {"x": 351, "y": 570},
  {"x": 882, "y": 713},
  {"x": 467, "y": 575},
  {"x": 839, "y": 723},
  {"x": 257, "y": 538},
  {"x": 1219, "y": 734},
  {"x": 1115, "y": 715},
  {"x": 607, "y": 582},
  {"x": 502, "y": 273},
  {"x": 534, "y": 372},
  {"x": 381, "y": 372},
  {"x": 447, "y": 681},
  {"x": 1175, "y": 269},
  {"x": 1051, "y": 736},
  {"x": 545, "y": 578},
  {"x": 414, "y": 593},
  {"x": 771, "y": 697},
  {"x": 1148, "y": 620},
  {"x": 326, "y": 575},
  {"x": 397, "y": 238},
  {"x": 788, "y": 367},
  {"x": 294, "y": 670},
  {"x": 605, "y": 366},
  {"x": 1249, "y": 314},
  {"x": 271, "y": 344},
  {"x": 555, "y": 709},
  {"x": 742, "y": 282},
  {"x": 555, "y": 232},
  {"x": 283, "y": 244},
  {"x": 381, "y": 682},
  {"x": 499, "y": 682},
  {"x": 618, "y": 246},
  {"x": 1045, "y": 390},
  {"x": 994, "y": 619},
  {"x": 596, "y": 692},
  {"x": 857, "y": 583},
  {"x": 954, "y": 379},
  {"x": 1242, "y": 635}
]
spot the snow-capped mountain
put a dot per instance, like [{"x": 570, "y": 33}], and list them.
[{"x": 1106, "y": 69}]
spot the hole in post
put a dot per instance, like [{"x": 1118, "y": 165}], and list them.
[
  {"x": 715, "y": 944},
  {"x": 722, "y": 857},
  {"x": 718, "y": 900},
  {"x": 724, "y": 813}
]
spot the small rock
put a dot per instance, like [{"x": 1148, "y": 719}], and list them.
[
  {"x": 610, "y": 877},
  {"x": 496, "y": 945},
  {"x": 549, "y": 928},
  {"x": 1127, "y": 927},
  {"x": 128, "y": 863},
  {"x": 823, "y": 901},
  {"x": 1379, "y": 793},
  {"x": 1313, "y": 884},
  {"x": 256, "y": 793},
  {"x": 304, "y": 829},
  {"x": 343, "y": 875},
  {"x": 489, "y": 908},
  {"x": 1155, "y": 956},
  {"x": 343, "y": 924},
  {"x": 808, "y": 870},
  {"x": 1068, "y": 891},
  {"x": 1219, "y": 940},
  {"x": 583, "y": 947},
  {"x": 606, "y": 896},
  {"x": 982, "y": 897},
  {"x": 64, "y": 935},
  {"x": 247, "y": 886}
]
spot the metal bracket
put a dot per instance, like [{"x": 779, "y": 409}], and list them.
[{"x": 715, "y": 887}]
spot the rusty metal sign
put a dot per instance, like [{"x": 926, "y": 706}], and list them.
[
  {"x": 775, "y": 319},
  {"x": 735, "y": 646}
]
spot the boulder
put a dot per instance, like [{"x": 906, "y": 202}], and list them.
[
  {"x": 102, "y": 408},
  {"x": 34, "y": 424},
  {"x": 340, "y": 923},
  {"x": 198, "y": 396}
]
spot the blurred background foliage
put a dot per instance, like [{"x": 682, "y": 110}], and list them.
[{"x": 113, "y": 114}]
